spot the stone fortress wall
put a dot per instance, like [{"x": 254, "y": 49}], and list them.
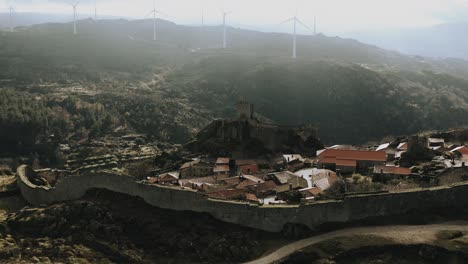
[{"x": 268, "y": 218}]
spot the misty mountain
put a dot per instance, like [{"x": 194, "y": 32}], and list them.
[
  {"x": 23, "y": 19},
  {"x": 445, "y": 40},
  {"x": 28, "y": 19},
  {"x": 173, "y": 87},
  {"x": 197, "y": 41}
]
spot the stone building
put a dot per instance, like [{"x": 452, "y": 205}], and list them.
[
  {"x": 195, "y": 169},
  {"x": 246, "y": 135}
]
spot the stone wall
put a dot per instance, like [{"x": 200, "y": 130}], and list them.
[{"x": 269, "y": 218}]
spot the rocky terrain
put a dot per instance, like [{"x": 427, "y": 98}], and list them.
[
  {"x": 438, "y": 243},
  {"x": 111, "y": 228}
]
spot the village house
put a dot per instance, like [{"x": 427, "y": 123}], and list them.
[
  {"x": 402, "y": 146},
  {"x": 242, "y": 181},
  {"x": 382, "y": 172},
  {"x": 313, "y": 174},
  {"x": 435, "y": 143},
  {"x": 349, "y": 161},
  {"x": 310, "y": 193},
  {"x": 324, "y": 180},
  {"x": 292, "y": 157},
  {"x": 195, "y": 168},
  {"x": 205, "y": 184},
  {"x": 286, "y": 181},
  {"x": 248, "y": 180},
  {"x": 389, "y": 150},
  {"x": 168, "y": 178},
  {"x": 221, "y": 166},
  {"x": 462, "y": 150},
  {"x": 252, "y": 198},
  {"x": 264, "y": 189},
  {"x": 250, "y": 166},
  {"x": 293, "y": 162}
]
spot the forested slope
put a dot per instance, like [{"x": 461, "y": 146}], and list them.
[{"x": 111, "y": 74}]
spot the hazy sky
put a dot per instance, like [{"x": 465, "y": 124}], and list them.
[{"x": 333, "y": 16}]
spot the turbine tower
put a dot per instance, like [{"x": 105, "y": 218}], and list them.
[
  {"x": 315, "y": 25},
  {"x": 75, "y": 15},
  {"x": 154, "y": 11},
  {"x": 10, "y": 21},
  {"x": 295, "y": 20},
  {"x": 224, "y": 28},
  {"x": 95, "y": 10},
  {"x": 203, "y": 17}
]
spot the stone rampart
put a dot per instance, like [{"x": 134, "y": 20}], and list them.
[{"x": 269, "y": 218}]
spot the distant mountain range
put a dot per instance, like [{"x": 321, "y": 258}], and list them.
[
  {"x": 441, "y": 41},
  {"x": 28, "y": 19}
]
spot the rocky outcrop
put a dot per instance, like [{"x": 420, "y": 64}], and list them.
[
  {"x": 108, "y": 227},
  {"x": 253, "y": 138}
]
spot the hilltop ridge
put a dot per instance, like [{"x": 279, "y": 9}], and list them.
[{"x": 172, "y": 88}]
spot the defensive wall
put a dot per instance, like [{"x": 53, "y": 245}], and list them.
[{"x": 269, "y": 218}]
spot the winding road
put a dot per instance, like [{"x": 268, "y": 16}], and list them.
[{"x": 412, "y": 234}]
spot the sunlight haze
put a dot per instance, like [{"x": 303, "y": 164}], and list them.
[{"x": 333, "y": 16}]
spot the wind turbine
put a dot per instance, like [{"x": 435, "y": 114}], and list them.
[
  {"x": 10, "y": 21},
  {"x": 154, "y": 11},
  {"x": 295, "y": 20},
  {"x": 74, "y": 16},
  {"x": 224, "y": 27}
]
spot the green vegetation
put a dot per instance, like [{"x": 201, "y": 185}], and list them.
[
  {"x": 27, "y": 121},
  {"x": 349, "y": 103},
  {"x": 352, "y": 91}
]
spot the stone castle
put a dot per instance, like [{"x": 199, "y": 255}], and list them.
[{"x": 245, "y": 135}]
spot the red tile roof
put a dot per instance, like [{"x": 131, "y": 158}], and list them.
[
  {"x": 168, "y": 177},
  {"x": 392, "y": 170},
  {"x": 227, "y": 194},
  {"x": 232, "y": 181},
  {"x": 354, "y": 155},
  {"x": 328, "y": 160},
  {"x": 315, "y": 191},
  {"x": 245, "y": 183},
  {"x": 266, "y": 186},
  {"x": 252, "y": 168},
  {"x": 251, "y": 197},
  {"x": 346, "y": 163},
  {"x": 463, "y": 150},
  {"x": 152, "y": 180}
]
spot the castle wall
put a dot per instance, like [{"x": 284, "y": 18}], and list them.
[{"x": 269, "y": 218}]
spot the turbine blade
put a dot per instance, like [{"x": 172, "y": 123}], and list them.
[
  {"x": 300, "y": 22},
  {"x": 152, "y": 11},
  {"x": 286, "y": 21},
  {"x": 161, "y": 13}
]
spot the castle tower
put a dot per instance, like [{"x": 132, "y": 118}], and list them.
[{"x": 245, "y": 110}]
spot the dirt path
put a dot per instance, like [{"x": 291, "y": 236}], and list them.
[{"x": 402, "y": 234}]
